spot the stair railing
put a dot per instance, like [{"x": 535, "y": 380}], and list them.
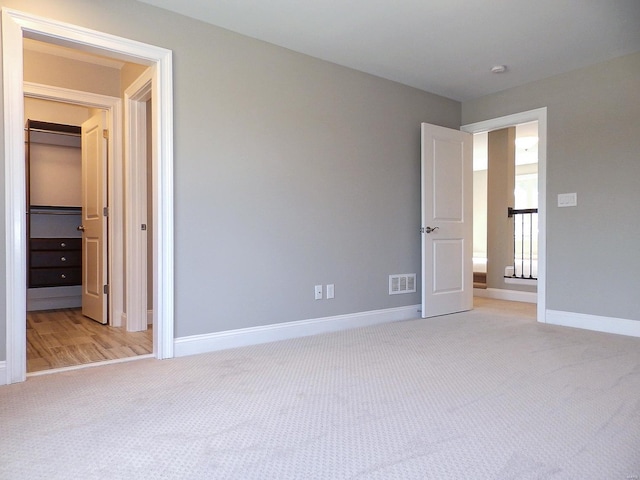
[{"x": 525, "y": 243}]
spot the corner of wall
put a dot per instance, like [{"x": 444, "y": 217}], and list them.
[{"x": 3, "y": 373}]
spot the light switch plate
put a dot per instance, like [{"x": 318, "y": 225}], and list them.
[
  {"x": 330, "y": 290},
  {"x": 567, "y": 199}
]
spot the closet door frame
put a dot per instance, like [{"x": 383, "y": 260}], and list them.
[
  {"x": 15, "y": 26},
  {"x": 115, "y": 180}
]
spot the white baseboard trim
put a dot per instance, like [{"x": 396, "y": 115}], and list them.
[
  {"x": 521, "y": 281},
  {"x": 116, "y": 319},
  {"x": 510, "y": 295},
  {"x": 3, "y": 373},
  {"x": 619, "y": 326},
  {"x": 242, "y": 337},
  {"x": 123, "y": 319}
]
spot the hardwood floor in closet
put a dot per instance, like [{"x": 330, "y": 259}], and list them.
[{"x": 64, "y": 338}]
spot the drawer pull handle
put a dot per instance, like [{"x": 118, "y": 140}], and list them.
[
  {"x": 63, "y": 259},
  {"x": 63, "y": 276},
  {"x": 63, "y": 244}
]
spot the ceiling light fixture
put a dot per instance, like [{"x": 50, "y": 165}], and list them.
[{"x": 498, "y": 69}]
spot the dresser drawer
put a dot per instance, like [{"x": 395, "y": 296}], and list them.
[
  {"x": 54, "y": 277},
  {"x": 49, "y": 258},
  {"x": 55, "y": 262},
  {"x": 56, "y": 244}
]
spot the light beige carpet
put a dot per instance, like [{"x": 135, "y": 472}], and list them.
[{"x": 488, "y": 394}]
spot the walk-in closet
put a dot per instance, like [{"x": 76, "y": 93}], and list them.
[
  {"x": 53, "y": 194},
  {"x": 58, "y": 334}
]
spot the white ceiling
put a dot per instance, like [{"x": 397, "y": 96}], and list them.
[{"x": 441, "y": 46}]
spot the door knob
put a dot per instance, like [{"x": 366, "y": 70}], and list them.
[
  {"x": 81, "y": 228},
  {"x": 430, "y": 229}
]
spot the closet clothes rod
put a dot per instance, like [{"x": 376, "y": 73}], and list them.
[
  {"x": 46, "y": 210},
  {"x": 54, "y": 213},
  {"x": 50, "y": 127},
  {"x": 52, "y": 132}
]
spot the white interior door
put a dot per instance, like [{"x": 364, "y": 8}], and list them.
[
  {"x": 94, "y": 220},
  {"x": 447, "y": 228}
]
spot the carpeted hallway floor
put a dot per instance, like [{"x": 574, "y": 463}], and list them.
[{"x": 487, "y": 394}]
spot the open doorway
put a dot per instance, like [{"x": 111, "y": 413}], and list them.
[
  {"x": 505, "y": 226},
  {"x": 16, "y": 27},
  {"x": 72, "y": 319},
  {"x": 539, "y": 116}
]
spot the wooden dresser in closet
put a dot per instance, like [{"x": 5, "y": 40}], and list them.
[{"x": 55, "y": 262}]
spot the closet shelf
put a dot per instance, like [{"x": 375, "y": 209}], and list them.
[
  {"x": 56, "y": 128},
  {"x": 54, "y": 210}
]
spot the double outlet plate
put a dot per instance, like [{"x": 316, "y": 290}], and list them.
[{"x": 319, "y": 291}]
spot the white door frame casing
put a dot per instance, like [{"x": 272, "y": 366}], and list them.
[
  {"x": 538, "y": 115},
  {"x": 15, "y": 26},
  {"x": 136, "y": 122},
  {"x": 113, "y": 107}
]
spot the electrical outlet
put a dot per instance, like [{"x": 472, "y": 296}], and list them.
[
  {"x": 567, "y": 199},
  {"x": 318, "y": 292},
  {"x": 330, "y": 290}
]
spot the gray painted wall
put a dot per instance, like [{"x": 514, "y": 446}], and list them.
[
  {"x": 501, "y": 149},
  {"x": 72, "y": 74},
  {"x": 289, "y": 172},
  {"x": 593, "y": 253}
]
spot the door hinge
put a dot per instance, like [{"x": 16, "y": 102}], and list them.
[
  {"x": 143, "y": 227},
  {"x": 105, "y": 289},
  {"x": 105, "y": 134},
  {"x": 105, "y": 211}
]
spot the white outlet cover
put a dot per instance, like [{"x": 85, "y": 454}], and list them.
[
  {"x": 330, "y": 290},
  {"x": 567, "y": 199}
]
